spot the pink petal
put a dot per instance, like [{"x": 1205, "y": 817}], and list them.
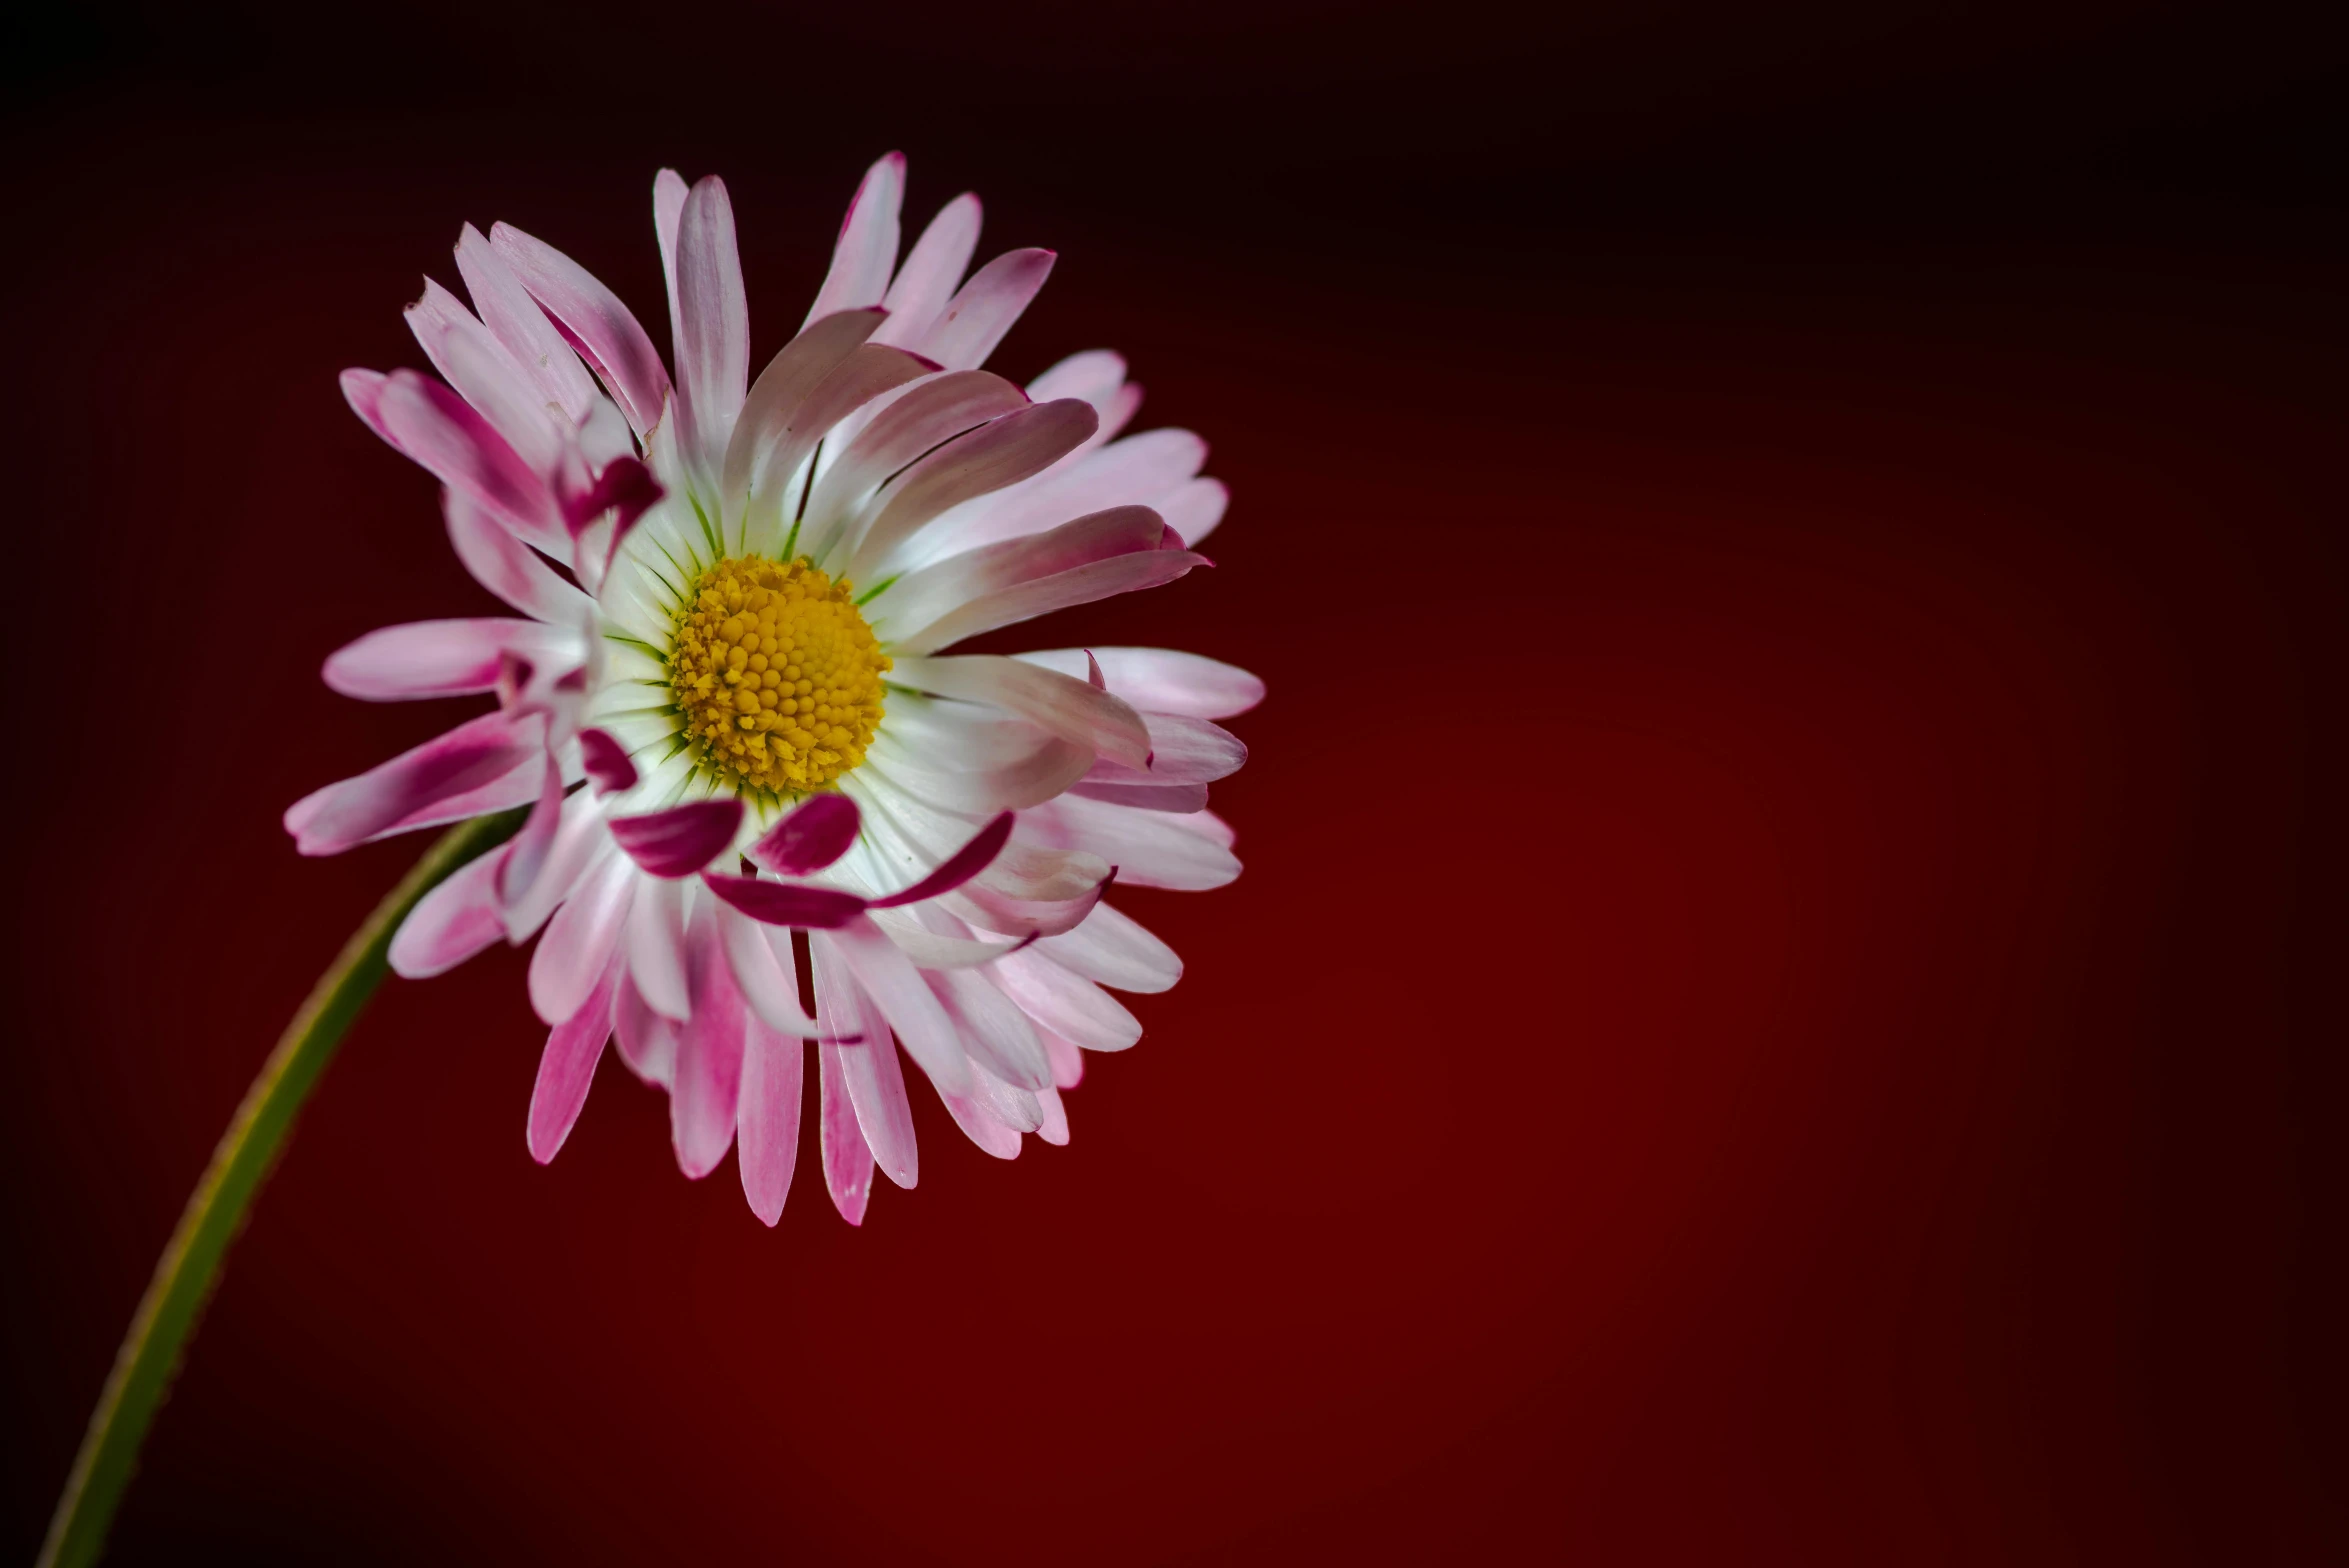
[
  {"x": 1140, "y": 470},
  {"x": 983, "y": 310},
  {"x": 429, "y": 658},
  {"x": 941, "y": 587},
  {"x": 768, "y": 1118},
  {"x": 1032, "y": 888},
  {"x": 451, "y": 923},
  {"x": 526, "y": 857},
  {"x": 601, "y": 437},
  {"x": 580, "y": 846},
  {"x": 1195, "y": 508},
  {"x": 1209, "y": 826},
  {"x": 592, "y": 320},
  {"x": 1094, "y": 375},
  {"x": 683, "y": 839},
  {"x": 975, "y": 1114},
  {"x": 1012, "y": 1107},
  {"x": 867, "y": 248},
  {"x": 669, "y": 193},
  {"x": 1043, "y": 595},
  {"x": 766, "y": 973},
  {"x": 956, "y": 737},
  {"x": 1182, "y": 751},
  {"x": 809, "y": 837},
  {"x": 992, "y": 909},
  {"x": 606, "y": 761},
  {"x": 488, "y": 764},
  {"x": 703, "y": 1103},
  {"x": 1178, "y": 799},
  {"x": 959, "y": 867},
  {"x": 625, "y": 487},
  {"x": 1163, "y": 680},
  {"x": 928, "y": 413},
  {"x": 848, "y": 1163},
  {"x": 713, "y": 345},
  {"x": 864, "y": 375},
  {"x": 659, "y": 960},
  {"x": 935, "y": 950},
  {"x": 1001, "y": 452},
  {"x": 1038, "y": 773},
  {"x": 507, "y": 309},
  {"x": 1068, "y": 707},
  {"x": 1029, "y": 869},
  {"x": 890, "y": 982},
  {"x": 1117, "y": 411},
  {"x": 647, "y": 1041},
  {"x": 785, "y": 903},
  {"x": 994, "y": 1031},
  {"x": 566, "y": 1068},
  {"x": 1068, "y": 1063},
  {"x": 1149, "y": 848},
  {"x": 440, "y": 431},
  {"x": 1193, "y": 751},
  {"x": 509, "y": 568},
  {"x": 486, "y": 376},
  {"x": 932, "y": 268},
  {"x": 790, "y": 378},
  {"x": 1069, "y": 1005},
  {"x": 363, "y": 390},
  {"x": 875, "y": 1083},
  {"x": 581, "y": 940},
  {"x": 1053, "y": 1129},
  {"x": 1111, "y": 948},
  {"x": 1143, "y": 468}
]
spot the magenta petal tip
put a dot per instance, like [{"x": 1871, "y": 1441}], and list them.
[
  {"x": 809, "y": 837},
  {"x": 606, "y": 761},
  {"x": 786, "y": 903},
  {"x": 959, "y": 867},
  {"x": 681, "y": 840}
]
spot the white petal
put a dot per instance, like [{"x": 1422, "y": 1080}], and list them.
[
  {"x": 656, "y": 946},
  {"x": 1163, "y": 680},
  {"x": 1111, "y": 948},
  {"x": 1068, "y": 1005}
]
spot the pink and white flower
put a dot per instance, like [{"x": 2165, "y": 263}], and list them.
[{"x": 724, "y": 740}]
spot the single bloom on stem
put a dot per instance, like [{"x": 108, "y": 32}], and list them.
[{"x": 728, "y": 696}]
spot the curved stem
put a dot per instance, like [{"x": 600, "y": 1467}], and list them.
[{"x": 185, "y": 1274}]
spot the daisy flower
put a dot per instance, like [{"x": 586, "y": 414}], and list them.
[{"x": 730, "y": 703}]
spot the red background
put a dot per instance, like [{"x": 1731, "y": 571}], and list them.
[{"x": 1784, "y": 1004}]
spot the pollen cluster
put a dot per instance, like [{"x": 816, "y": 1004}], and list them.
[{"x": 778, "y": 676}]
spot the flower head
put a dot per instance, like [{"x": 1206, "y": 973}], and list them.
[{"x": 728, "y": 700}]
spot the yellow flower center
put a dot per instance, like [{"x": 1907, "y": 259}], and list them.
[{"x": 778, "y": 676}]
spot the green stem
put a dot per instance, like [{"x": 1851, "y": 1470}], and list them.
[{"x": 190, "y": 1265}]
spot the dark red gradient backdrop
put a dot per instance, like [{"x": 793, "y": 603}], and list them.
[{"x": 1785, "y": 1002}]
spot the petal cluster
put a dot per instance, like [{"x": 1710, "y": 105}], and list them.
[{"x": 769, "y": 808}]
